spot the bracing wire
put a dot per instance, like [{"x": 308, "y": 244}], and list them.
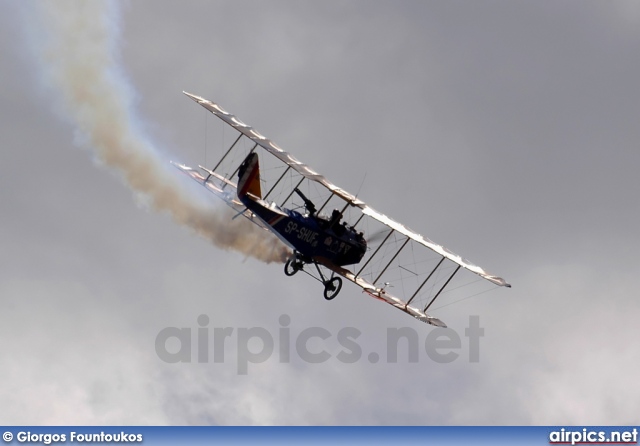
[{"x": 464, "y": 298}]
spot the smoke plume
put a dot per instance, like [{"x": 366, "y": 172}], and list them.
[{"x": 79, "y": 52}]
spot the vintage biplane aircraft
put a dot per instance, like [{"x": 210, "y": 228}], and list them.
[{"x": 392, "y": 256}]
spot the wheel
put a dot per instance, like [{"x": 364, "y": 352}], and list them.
[
  {"x": 332, "y": 287},
  {"x": 292, "y": 266}
]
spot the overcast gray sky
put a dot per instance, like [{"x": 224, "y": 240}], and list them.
[{"x": 507, "y": 131}]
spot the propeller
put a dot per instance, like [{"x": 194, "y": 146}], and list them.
[{"x": 378, "y": 235}]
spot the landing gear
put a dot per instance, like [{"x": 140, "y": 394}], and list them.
[
  {"x": 332, "y": 285},
  {"x": 292, "y": 266}
]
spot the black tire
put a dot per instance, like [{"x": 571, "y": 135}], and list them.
[
  {"x": 332, "y": 287},
  {"x": 292, "y": 266}
]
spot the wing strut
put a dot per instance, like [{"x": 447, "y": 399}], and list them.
[
  {"x": 358, "y": 221},
  {"x": 276, "y": 183},
  {"x": 443, "y": 286},
  {"x": 292, "y": 191},
  {"x": 325, "y": 203},
  {"x": 344, "y": 208},
  {"x": 425, "y": 281},
  {"x": 238, "y": 168},
  {"x": 376, "y": 251},
  {"x": 392, "y": 259},
  {"x": 225, "y": 155}
]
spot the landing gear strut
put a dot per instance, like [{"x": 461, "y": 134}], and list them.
[{"x": 332, "y": 285}]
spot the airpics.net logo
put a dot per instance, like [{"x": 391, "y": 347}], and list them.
[
  {"x": 207, "y": 343},
  {"x": 592, "y": 436}
]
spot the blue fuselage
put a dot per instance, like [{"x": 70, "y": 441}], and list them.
[{"x": 312, "y": 236}]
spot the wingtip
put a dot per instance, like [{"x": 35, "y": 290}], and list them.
[
  {"x": 192, "y": 96},
  {"x": 436, "y": 322},
  {"x": 497, "y": 280}
]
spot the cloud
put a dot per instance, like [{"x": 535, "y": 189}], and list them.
[
  {"x": 505, "y": 132},
  {"x": 79, "y": 57},
  {"x": 71, "y": 354}
]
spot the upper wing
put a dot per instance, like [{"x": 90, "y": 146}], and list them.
[
  {"x": 276, "y": 151},
  {"x": 391, "y": 259}
]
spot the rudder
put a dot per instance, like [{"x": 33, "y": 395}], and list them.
[{"x": 249, "y": 177}]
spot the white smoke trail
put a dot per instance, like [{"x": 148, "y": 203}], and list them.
[{"x": 79, "y": 54}]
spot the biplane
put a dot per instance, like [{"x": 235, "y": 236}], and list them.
[{"x": 353, "y": 242}]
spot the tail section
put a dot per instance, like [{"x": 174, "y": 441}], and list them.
[{"x": 249, "y": 177}]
